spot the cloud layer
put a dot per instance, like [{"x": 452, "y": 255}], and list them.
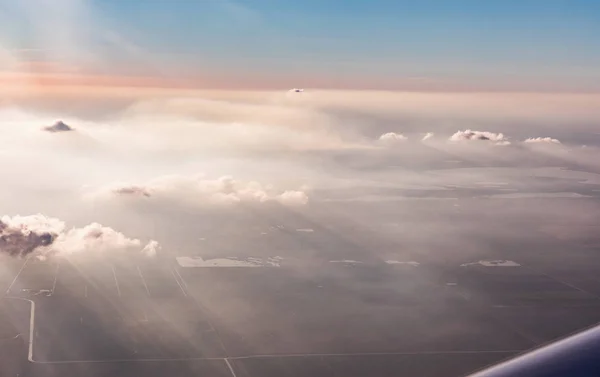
[
  {"x": 200, "y": 191},
  {"x": 339, "y": 143}
]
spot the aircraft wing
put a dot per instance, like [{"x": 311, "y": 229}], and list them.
[{"x": 577, "y": 355}]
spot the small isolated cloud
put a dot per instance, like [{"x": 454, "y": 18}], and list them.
[
  {"x": 151, "y": 248},
  {"x": 197, "y": 190},
  {"x": 392, "y": 137},
  {"x": 467, "y": 135},
  {"x": 542, "y": 140},
  {"x": 427, "y": 136},
  {"x": 293, "y": 198},
  {"x": 131, "y": 190},
  {"x": 38, "y": 234},
  {"x": 59, "y": 126}
]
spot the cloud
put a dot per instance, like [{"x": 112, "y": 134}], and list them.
[
  {"x": 59, "y": 126},
  {"x": 468, "y": 134},
  {"x": 542, "y": 140},
  {"x": 18, "y": 239},
  {"x": 293, "y": 198},
  {"x": 38, "y": 234},
  {"x": 427, "y": 136},
  {"x": 199, "y": 191},
  {"x": 392, "y": 137},
  {"x": 151, "y": 249},
  {"x": 131, "y": 190},
  {"x": 213, "y": 126}
]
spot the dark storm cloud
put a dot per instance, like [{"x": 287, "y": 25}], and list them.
[
  {"x": 21, "y": 241},
  {"x": 59, "y": 126}
]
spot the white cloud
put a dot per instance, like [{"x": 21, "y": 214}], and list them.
[
  {"x": 545, "y": 140},
  {"x": 38, "y": 223},
  {"x": 392, "y": 137},
  {"x": 293, "y": 198},
  {"x": 200, "y": 191},
  {"x": 151, "y": 248},
  {"x": 23, "y": 235},
  {"x": 468, "y": 134},
  {"x": 427, "y": 136},
  {"x": 94, "y": 237}
]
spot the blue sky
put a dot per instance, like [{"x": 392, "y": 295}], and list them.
[{"x": 375, "y": 43}]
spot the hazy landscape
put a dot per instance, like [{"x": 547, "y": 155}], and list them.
[{"x": 165, "y": 238}]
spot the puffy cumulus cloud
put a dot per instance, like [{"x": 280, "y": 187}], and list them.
[
  {"x": 392, "y": 137},
  {"x": 468, "y": 134},
  {"x": 427, "y": 136},
  {"x": 543, "y": 140},
  {"x": 39, "y": 223},
  {"x": 151, "y": 248},
  {"x": 197, "y": 190},
  {"x": 293, "y": 198},
  {"x": 38, "y": 234},
  {"x": 59, "y": 126},
  {"x": 94, "y": 237},
  {"x": 21, "y": 236}
]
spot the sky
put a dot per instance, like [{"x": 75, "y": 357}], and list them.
[{"x": 462, "y": 45}]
